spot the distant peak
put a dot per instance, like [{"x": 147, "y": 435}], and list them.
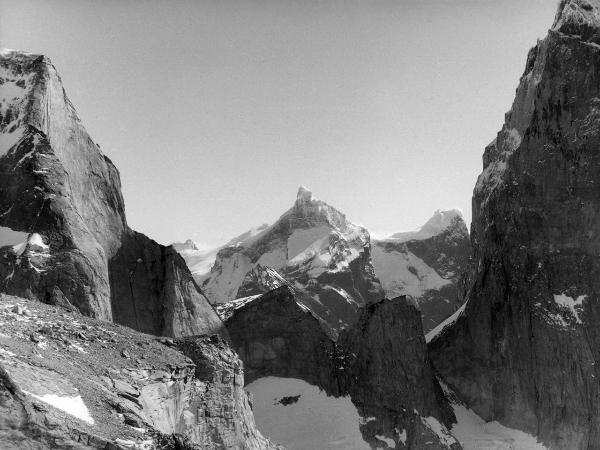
[
  {"x": 447, "y": 215},
  {"x": 191, "y": 244},
  {"x": 579, "y": 18},
  {"x": 304, "y": 194},
  {"x": 438, "y": 223}
]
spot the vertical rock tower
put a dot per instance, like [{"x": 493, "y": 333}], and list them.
[
  {"x": 525, "y": 350},
  {"x": 64, "y": 196}
]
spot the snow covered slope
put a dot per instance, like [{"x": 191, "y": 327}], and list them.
[
  {"x": 474, "y": 433},
  {"x": 301, "y": 416},
  {"x": 426, "y": 265},
  {"x": 312, "y": 247},
  {"x": 200, "y": 260}
]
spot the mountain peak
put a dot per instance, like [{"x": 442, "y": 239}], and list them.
[
  {"x": 304, "y": 195},
  {"x": 579, "y": 18},
  {"x": 438, "y": 223}
]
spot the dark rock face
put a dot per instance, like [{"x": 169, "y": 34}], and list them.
[
  {"x": 276, "y": 336},
  {"x": 428, "y": 266},
  {"x": 314, "y": 248},
  {"x": 143, "y": 270},
  {"x": 56, "y": 186},
  {"x": 262, "y": 279},
  {"x": 387, "y": 372},
  {"x": 381, "y": 363},
  {"x": 525, "y": 349}
]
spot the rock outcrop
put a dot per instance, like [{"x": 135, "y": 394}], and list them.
[
  {"x": 427, "y": 265},
  {"x": 314, "y": 248},
  {"x": 381, "y": 362},
  {"x": 64, "y": 196},
  {"x": 69, "y": 381},
  {"x": 524, "y": 351},
  {"x": 275, "y": 335}
]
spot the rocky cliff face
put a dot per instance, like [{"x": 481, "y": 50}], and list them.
[
  {"x": 275, "y": 335},
  {"x": 314, "y": 248},
  {"x": 68, "y": 381},
  {"x": 219, "y": 414},
  {"x": 63, "y": 235},
  {"x": 524, "y": 350},
  {"x": 381, "y": 363},
  {"x": 428, "y": 265}
]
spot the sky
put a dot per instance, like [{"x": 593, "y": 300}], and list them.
[{"x": 215, "y": 112}]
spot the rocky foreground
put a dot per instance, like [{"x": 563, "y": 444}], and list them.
[{"x": 69, "y": 381}]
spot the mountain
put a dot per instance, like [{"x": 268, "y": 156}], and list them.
[
  {"x": 524, "y": 349},
  {"x": 200, "y": 260},
  {"x": 312, "y": 247},
  {"x": 377, "y": 371},
  {"x": 426, "y": 265},
  {"x": 63, "y": 233}
]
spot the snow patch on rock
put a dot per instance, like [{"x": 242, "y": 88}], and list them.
[
  {"x": 390, "y": 442},
  {"x": 445, "y": 324},
  {"x": 474, "y": 433},
  {"x": 403, "y": 273},
  {"x": 571, "y": 304},
  {"x": 74, "y": 406},
  {"x": 440, "y": 222},
  {"x": 440, "y": 430}
]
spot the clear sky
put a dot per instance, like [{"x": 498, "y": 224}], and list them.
[{"x": 216, "y": 111}]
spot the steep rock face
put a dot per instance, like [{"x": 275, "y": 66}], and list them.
[
  {"x": 223, "y": 415},
  {"x": 524, "y": 350},
  {"x": 275, "y": 335},
  {"x": 58, "y": 188},
  {"x": 427, "y": 265},
  {"x": 314, "y": 248},
  {"x": 68, "y": 381},
  {"x": 381, "y": 362},
  {"x": 387, "y": 372}
]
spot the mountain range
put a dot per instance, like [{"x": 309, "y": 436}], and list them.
[
  {"x": 335, "y": 264},
  {"x": 307, "y": 331}
]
